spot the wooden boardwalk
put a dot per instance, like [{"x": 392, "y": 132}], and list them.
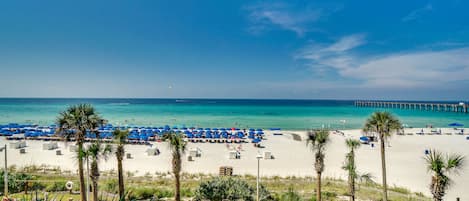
[{"x": 443, "y": 107}]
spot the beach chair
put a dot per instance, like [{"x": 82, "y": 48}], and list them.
[{"x": 267, "y": 155}]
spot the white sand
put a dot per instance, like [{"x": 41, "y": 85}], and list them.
[{"x": 405, "y": 163}]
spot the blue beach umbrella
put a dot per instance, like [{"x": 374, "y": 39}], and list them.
[
  {"x": 364, "y": 139},
  {"x": 455, "y": 125}
]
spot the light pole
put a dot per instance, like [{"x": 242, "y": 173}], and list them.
[
  {"x": 5, "y": 177},
  {"x": 87, "y": 179},
  {"x": 259, "y": 156}
]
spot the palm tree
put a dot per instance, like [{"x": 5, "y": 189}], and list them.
[
  {"x": 178, "y": 147},
  {"x": 383, "y": 123},
  {"x": 120, "y": 138},
  {"x": 442, "y": 165},
  {"x": 75, "y": 121},
  {"x": 96, "y": 152},
  {"x": 318, "y": 140},
  {"x": 350, "y": 166}
]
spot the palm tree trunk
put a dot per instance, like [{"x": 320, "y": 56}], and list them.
[
  {"x": 352, "y": 176},
  {"x": 177, "y": 196},
  {"x": 95, "y": 178},
  {"x": 95, "y": 189},
  {"x": 318, "y": 190},
  {"x": 383, "y": 167},
  {"x": 121, "y": 178},
  {"x": 352, "y": 189},
  {"x": 80, "y": 172}
]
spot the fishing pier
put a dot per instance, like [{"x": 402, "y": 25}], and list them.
[{"x": 443, "y": 107}]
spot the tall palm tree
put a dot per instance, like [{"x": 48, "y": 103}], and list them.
[
  {"x": 350, "y": 165},
  {"x": 96, "y": 152},
  {"x": 318, "y": 140},
  {"x": 442, "y": 165},
  {"x": 383, "y": 123},
  {"x": 120, "y": 139},
  {"x": 178, "y": 147},
  {"x": 74, "y": 122}
]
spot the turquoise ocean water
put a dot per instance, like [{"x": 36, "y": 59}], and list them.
[{"x": 285, "y": 114}]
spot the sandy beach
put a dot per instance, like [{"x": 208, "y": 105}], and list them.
[{"x": 405, "y": 163}]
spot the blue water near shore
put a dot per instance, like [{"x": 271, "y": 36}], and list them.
[{"x": 285, "y": 114}]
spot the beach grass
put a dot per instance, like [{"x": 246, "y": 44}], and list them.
[{"x": 160, "y": 185}]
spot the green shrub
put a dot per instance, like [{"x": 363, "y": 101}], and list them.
[
  {"x": 325, "y": 196},
  {"x": 221, "y": 188},
  {"x": 164, "y": 193},
  {"x": 187, "y": 192},
  {"x": 37, "y": 186},
  {"x": 290, "y": 195},
  {"x": 16, "y": 181},
  {"x": 143, "y": 193},
  {"x": 56, "y": 186},
  {"x": 111, "y": 186}
]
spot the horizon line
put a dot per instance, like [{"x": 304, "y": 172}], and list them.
[{"x": 208, "y": 98}]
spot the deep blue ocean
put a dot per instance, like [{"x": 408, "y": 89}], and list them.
[{"x": 243, "y": 113}]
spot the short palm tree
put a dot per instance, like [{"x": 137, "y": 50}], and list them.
[
  {"x": 441, "y": 165},
  {"x": 74, "y": 122},
  {"x": 383, "y": 123},
  {"x": 178, "y": 147},
  {"x": 350, "y": 165},
  {"x": 120, "y": 139},
  {"x": 96, "y": 152},
  {"x": 318, "y": 140}
]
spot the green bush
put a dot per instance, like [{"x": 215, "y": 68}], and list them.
[
  {"x": 143, "y": 193},
  {"x": 111, "y": 186},
  {"x": 16, "y": 181},
  {"x": 325, "y": 195},
  {"x": 56, "y": 186},
  {"x": 165, "y": 193},
  {"x": 222, "y": 188},
  {"x": 187, "y": 192},
  {"x": 290, "y": 195}
]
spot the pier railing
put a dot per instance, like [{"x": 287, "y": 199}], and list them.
[{"x": 444, "y": 107}]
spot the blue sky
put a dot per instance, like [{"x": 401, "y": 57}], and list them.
[{"x": 235, "y": 49}]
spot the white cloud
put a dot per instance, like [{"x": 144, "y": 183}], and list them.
[
  {"x": 347, "y": 43},
  {"x": 335, "y": 55},
  {"x": 414, "y": 69},
  {"x": 415, "y": 14},
  {"x": 263, "y": 16}
]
